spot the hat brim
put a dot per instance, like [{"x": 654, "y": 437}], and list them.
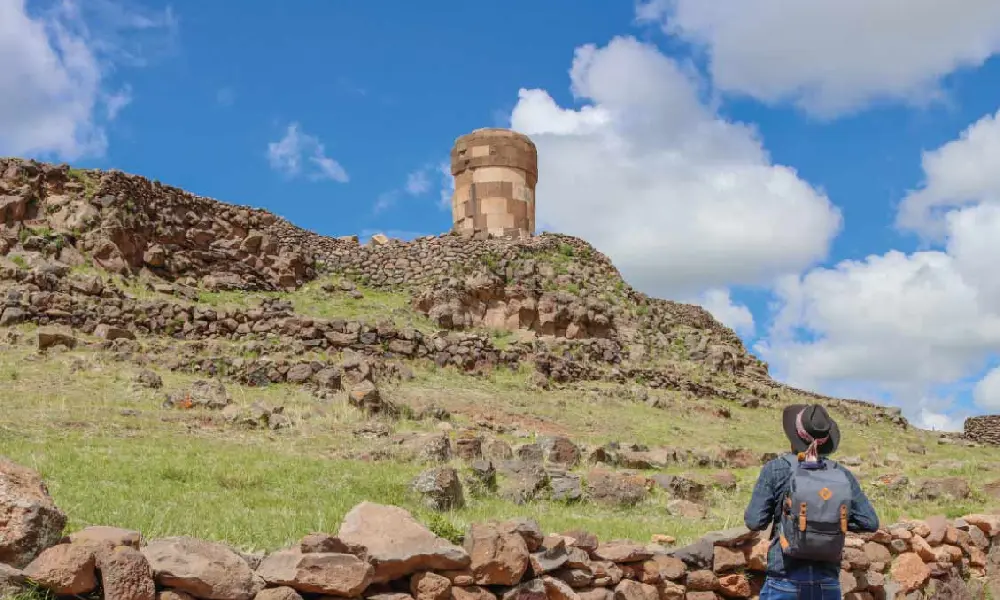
[{"x": 798, "y": 444}]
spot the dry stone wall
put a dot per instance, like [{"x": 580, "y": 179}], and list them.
[
  {"x": 983, "y": 429},
  {"x": 382, "y": 553},
  {"x": 128, "y": 224},
  {"x": 555, "y": 286}
]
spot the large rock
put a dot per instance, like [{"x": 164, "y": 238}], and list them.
[
  {"x": 126, "y": 575},
  {"x": 440, "y": 488},
  {"x": 397, "y": 544},
  {"x": 203, "y": 569},
  {"x": 111, "y": 535},
  {"x": 11, "y": 580},
  {"x": 910, "y": 572},
  {"x": 65, "y": 570},
  {"x": 497, "y": 558},
  {"x": 49, "y": 336},
  {"x": 29, "y": 519},
  {"x": 329, "y": 573}
]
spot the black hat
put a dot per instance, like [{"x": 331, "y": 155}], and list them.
[{"x": 816, "y": 423}]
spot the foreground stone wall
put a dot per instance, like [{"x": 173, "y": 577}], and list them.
[
  {"x": 983, "y": 429},
  {"x": 382, "y": 553}
]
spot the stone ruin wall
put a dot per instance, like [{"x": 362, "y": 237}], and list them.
[
  {"x": 382, "y": 553},
  {"x": 129, "y": 224},
  {"x": 983, "y": 429},
  {"x": 495, "y": 173}
]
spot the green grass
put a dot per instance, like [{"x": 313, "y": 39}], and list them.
[{"x": 112, "y": 456}]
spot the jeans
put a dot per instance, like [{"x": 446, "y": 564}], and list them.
[{"x": 800, "y": 587}]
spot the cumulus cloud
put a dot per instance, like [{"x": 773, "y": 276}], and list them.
[
  {"x": 962, "y": 172},
  {"x": 681, "y": 199},
  {"x": 832, "y": 56},
  {"x": 299, "y": 153},
  {"x": 55, "y": 99},
  {"x": 903, "y": 324},
  {"x": 735, "y": 316}
]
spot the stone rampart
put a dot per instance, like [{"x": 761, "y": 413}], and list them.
[
  {"x": 495, "y": 173},
  {"x": 383, "y": 553},
  {"x": 983, "y": 429}
]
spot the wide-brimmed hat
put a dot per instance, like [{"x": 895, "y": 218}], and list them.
[{"x": 804, "y": 423}]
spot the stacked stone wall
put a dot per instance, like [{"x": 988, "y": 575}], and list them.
[
  {"x": 983, "y": 429},
  {"x": 383, "y": 553}
]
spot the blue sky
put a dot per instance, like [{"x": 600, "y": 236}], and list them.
[{"x": 730, "y": 153}]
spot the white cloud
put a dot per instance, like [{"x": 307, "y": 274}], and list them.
[
  {"x": 961, "y": 172},
  {"x": 447, "y": 184},
  {"x": 288, "y": 155},
  {"x": 986, "y": 393},
  {"x": 832, "y": 56},
  {"x": 735, "y": 316},
  {"x": 934, "y": 421},
  {"x": 417, "y": 183},
  {"x": 905, "y": 324},
  {"x": 680, "y": 199},
  {"x": 56, "y": 66}
]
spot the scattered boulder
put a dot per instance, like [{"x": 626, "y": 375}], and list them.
[
  {"x": 101, "y": 534},
  {"x": 610, "y": 487},
  {"x": 30, "y": 522},
  {"x": 49, "y": 337},
  {"x": 202, "y": 394},
  {"x": 440, "y": 488},
  {"x": 149, "y": 379}
]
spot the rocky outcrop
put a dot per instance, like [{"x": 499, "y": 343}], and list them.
[{"x": 382, "y": 551}]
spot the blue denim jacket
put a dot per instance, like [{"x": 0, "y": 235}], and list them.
[{"x": 768, "y": 493}]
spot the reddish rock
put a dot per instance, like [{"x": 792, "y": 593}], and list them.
[
  {"x": 702, "y": 581},
  {"x": 29, "y": 519},
  {"x": 633, "y": 590},
  {"x": 173, "y": 595},
  {"x": 111, "y": 535},
  {"x": 988, "y": 524},
  {"x": 669, "y": 567},
  {"x": 206, "y": 570},
  {"x": 877, "y": 553},
  {"x": 472, "y": 592},
  {"x": 343, "y": 575},
  {"x": 560, "y": 450},
  {"x": 727, "y": 560},
  {"x": 910, "y": 572},
  {"x": 396, "y": 544},
  {"x": 496, "y": 558},
  {"x": 757, "y": 561},
  {"x": 528, "y": 529},
  {"x": 595, "y": 593},
  {"x": 671, "y": 591},
  {"x": 620, "y": 551},
  {"x": 700, "y": 596},
  {"x": 556, "y": 589},
  {"x": 65, "y": 570},
  {"x": 533, "y": 589},
  {"x": 286, "y": 593},
  {"x": 734, "y": 586},
  {"x": 937, "y": 526},
  {"x": 584, "y": 540},
  {"x": 923, "y": 549},
  {"x": 324, "y": 542},
  {"x": 430, "y": 586},
  {"x": 126, "y": 575}
]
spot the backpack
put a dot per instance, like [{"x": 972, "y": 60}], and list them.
[{"x": 814, "y": 512}]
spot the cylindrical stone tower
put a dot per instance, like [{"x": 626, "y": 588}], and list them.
[{"x": 495, "y": 173}]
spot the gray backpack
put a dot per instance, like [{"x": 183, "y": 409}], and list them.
[{"x": 814, "y": 513}]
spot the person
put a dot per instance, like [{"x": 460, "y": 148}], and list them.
[{"x": 810, "y": 502}]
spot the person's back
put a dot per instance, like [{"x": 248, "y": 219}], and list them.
[{"x": 811, "y": 502}]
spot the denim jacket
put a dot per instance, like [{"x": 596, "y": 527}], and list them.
[{"x": 768, "y": 493}]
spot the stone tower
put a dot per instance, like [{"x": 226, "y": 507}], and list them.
[{"x": 495, "y": 172}]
